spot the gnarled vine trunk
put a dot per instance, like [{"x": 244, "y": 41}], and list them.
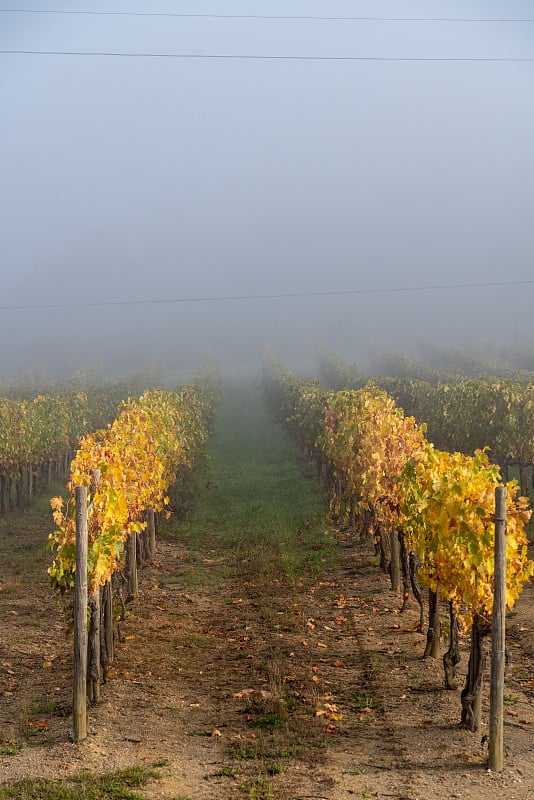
[
  {"x": 452, "y": 656},
  {"x": 434, "y": 626},
  {"x": 472, "y": 692}
]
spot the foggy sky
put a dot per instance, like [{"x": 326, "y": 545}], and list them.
[{"x": 136, "y": 179}]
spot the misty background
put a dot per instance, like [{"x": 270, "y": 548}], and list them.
[{"x": 129, "y": 179}]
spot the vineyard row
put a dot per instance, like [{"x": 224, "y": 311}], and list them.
[{"x": 429, "y": 512}]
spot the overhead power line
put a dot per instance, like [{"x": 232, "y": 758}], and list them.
[
  {"x": 256, "y": 57},
  {"x": 291, "y": 17},
  {"x": 274, "y": 296}
]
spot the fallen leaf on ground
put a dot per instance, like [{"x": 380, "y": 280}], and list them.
[
  {"x": 243, "y": 693},
  {"x": 39, "y": 724}
]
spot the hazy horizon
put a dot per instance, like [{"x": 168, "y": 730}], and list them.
[{"x": 146, "y": 179}]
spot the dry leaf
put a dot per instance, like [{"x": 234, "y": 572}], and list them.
[
  {"x": 331, "y": 729},
  {"x": 243, "y": 693},
  {"x": 39, "y": 724}
]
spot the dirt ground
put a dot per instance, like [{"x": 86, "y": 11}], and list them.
[{"x": 260, "y": 689}]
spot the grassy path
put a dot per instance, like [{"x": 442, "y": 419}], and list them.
[{"x": 261, "y": 502}]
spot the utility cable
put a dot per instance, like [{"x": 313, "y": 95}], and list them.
[
  {"x": 274, "y": 296},
  {"x": 279, "y": 17},
  {"x": 252, "y": 57}
]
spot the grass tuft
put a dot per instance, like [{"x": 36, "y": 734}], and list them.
[{"x": 111, "y": 786}]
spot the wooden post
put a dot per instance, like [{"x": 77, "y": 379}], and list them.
[
  {"x": 498, "y": 635},
  {"x": 3, "y": 494},
  {"x": 394, "y": 565},
  {"x": 19, "y": 490},
  {"x": 106, "y": 629},
  {"x": 79, "y": 704},
  {"x": 131, "y": 565},
  {"x": 139, "y": 550},
  {"x": 151, "y": 527}
]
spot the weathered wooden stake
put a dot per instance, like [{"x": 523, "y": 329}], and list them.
[
  {"x": 498, "y": 636},
  {"x": 394, "y": 565},
  {"x": 3, "y": 495},
  {"x": 79, "y": 701},
  {"x": 131, "y": 565},
  {"x": 106, "y": 629},
  {"x": 108, "y": 618},
  {"x": 151, "y": 528}
]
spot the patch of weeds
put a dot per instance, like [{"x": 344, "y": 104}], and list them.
[
  {"x": 358, "y": 701},
  {"x": 53, "y": 708},
  {"x": 511, "y": 614},
  {"x": 258, "y": 790},
  {"x": 289, "y": 752},
  {"x": 196, "y": 640},
  {"x": 225, "y": 772},
  {"x": 171, "y": 580},
  {"x": 243, "y": 753},
  {"x": 117, "y": 785},
  {"x": 355, "y": 771},
  {"x": 318, "y": 745},
  {"x": 269, "y": 721},
  {"x": 161, "y": 762},
  {"x": 274, "y": 769},
  {"x": 510, "y": 698},
  {"x": 10, "y": 747}
]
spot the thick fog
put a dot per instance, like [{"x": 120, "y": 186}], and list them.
[{"x": 127, "y": 179}]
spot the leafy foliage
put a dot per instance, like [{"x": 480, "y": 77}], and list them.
[
  {"x": 127, "y": 468},
  {"x": 382, "y": 466}
]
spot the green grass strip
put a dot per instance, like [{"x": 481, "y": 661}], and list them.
[
  {"x": 112, "y": 786},
  {"x": 263, "y": 503}
]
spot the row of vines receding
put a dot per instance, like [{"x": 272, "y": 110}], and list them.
[{"x": 429, "y": 513}]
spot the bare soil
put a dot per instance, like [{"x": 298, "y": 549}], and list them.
[{"x": 259, "y": 688}]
